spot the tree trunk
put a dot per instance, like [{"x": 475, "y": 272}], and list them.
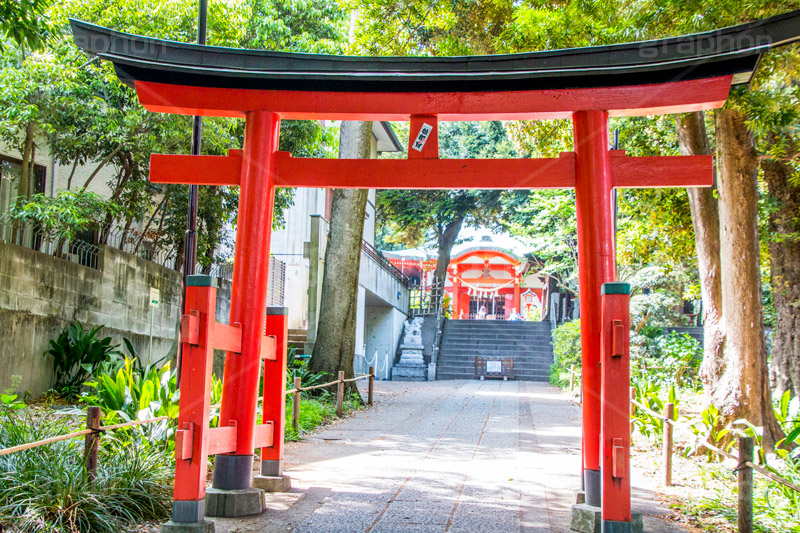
[
  {"x": 24, "y": 188},
  {"x": 741, "y": 388},
  {"x": 784, "y": 251},
  {"x": 334, "y": 348},
  {"x": 693, "y": 140},
  {"x": 446, "y": 240}
]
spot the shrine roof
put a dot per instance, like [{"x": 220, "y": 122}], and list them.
[{"x": 733, "y": 51}]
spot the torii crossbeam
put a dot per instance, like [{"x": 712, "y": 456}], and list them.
[{"x": 689, "y": 73}]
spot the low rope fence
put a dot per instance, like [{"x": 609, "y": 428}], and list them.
[
  {"x": 94, "y": 429},
  {"x": 744, "y": 469}
]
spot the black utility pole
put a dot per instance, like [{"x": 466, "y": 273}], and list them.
[
  {"x": 190, "y": 240},
  {"x": 190, "y": 250}
]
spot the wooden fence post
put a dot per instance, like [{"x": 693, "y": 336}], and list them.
[
  {"x": 91, "y": 441},
  {"x": 633, "y": 405},
  {"x": 340, "y": 395},
  {"x": 745, "y": 477},
  {"x": 669, "y": 411},
  {"x": 296, "y": 404},
  {"x": 371, "y": 385},
  {"x": 571, "y": 376}
]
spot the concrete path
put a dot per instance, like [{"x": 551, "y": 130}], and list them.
[{"x": 446, "y": 456}]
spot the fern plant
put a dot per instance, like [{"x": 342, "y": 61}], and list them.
[{"x": 77, "y": 353}]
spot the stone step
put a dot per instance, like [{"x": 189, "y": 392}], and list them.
[
  {"x": 510, "y": 345},
  {"x": 470, "y": 359},
  {"x": 496, "y": 335},
  {"x": 538, "y": 365},
  {"x": 444, "y": 353},
  {"x": 517, "y": 377}
]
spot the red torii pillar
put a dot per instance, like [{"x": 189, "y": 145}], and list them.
[
  {"x": 248, "y": 303},
  {"x": 595, "y": 216}
]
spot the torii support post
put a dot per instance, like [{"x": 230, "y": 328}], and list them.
[
  {"x": 233, "y": 472},
  {"x": 596, "y": 265},
  {"x": 616, "y": 422},
  {"x": 191, "y": 438},
  {"x": 272, "y": 478}
]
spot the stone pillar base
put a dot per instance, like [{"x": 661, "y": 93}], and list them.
[
  {"x": 204, "y": 526},
  {"x": 234, "y": 503},
  {"x": 281, "y": 483},
  {"x": 588, "y": 519}
]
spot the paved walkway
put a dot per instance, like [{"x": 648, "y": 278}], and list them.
[{"x": 447, "y": 456}]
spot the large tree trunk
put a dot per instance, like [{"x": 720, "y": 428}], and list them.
[
  {"x": 741, "y": 388},
  {"x": 784, "y": 251},
  {"x": 446, "y": 240},
  {"x": 334, "y": 348},
  {"x": 693, "y": 140}
]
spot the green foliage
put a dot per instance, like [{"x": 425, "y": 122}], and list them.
[
  {"x": 77, "y": 354},
  {"x": 672, "y": 359},
  {"x": 651, "y": 395},
  {"x": 566, "y": 352},
  {"x": 64, "y": 215},
  {"x": 315, "y": 412},
  {"x": 416, "y": 218},
  {"x": 546, "y": 219},
  {"x": 23, "y": 22},
  {"x": 300, "y": 368},
  {"x": 708, "y": 427},
  {"x": 46, "y": 488}
]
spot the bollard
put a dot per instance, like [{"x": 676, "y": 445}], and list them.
[
  {"x": 669, "y": 414},
  {"x": 744, "y": 476},
  {"x": 371, "y": 391},
  {"x": 296, "y": 404},
  {"x": 340, "y": 395},
  {"x": 91, "y": 442}
]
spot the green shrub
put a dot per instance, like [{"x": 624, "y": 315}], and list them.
[
  {"x": 566, "y": 352},
  {"x": 77, "y": 354},
  {"x": 668, "y": 360},
  {"x": 46, "y": 489}
]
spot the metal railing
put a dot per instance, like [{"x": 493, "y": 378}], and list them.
[
  {"x": 384, "y": 263},
  {"x": 40, "y": 239},
  {"x": 426, "y": 299}
]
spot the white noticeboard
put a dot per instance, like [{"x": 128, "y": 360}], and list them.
[
  {"x": 494, "y": 367},
  {"x": 155, "y": 296}
]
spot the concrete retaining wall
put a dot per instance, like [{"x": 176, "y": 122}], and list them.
[{"x": 41, "y": 295}]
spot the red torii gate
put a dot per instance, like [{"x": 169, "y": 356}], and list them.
[{"x": 674, "y": 75}]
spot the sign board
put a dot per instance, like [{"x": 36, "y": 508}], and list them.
[
  {"x": 422, "y": 136},
  {"x": 155, "y": 297},
  {"x": 494, "y": 367}
]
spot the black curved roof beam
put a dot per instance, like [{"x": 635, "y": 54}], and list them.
[
  {"x": 671, "y": 75},
  {"x": 730, "y": 51}
]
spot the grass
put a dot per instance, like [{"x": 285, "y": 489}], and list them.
[
  {"x": 46, "y": 489},
  {"x": 315, "y": 412}
]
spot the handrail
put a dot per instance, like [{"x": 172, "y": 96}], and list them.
[{"x": 384, "y": 263}]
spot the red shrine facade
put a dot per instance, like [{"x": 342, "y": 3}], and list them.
[{"x": 483, "y": 283}]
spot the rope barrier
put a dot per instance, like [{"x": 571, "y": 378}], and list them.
[
  {"x": 723, "y": 453},
  {"x": 28, "y": 446}
]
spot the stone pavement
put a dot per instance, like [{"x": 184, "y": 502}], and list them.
[{"x": 445, "y": 456}]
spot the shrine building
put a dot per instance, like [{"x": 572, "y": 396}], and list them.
[{"x": 489, "y": 272}]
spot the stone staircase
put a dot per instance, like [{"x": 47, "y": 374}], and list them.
[{"x": 529, "y": 343}]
